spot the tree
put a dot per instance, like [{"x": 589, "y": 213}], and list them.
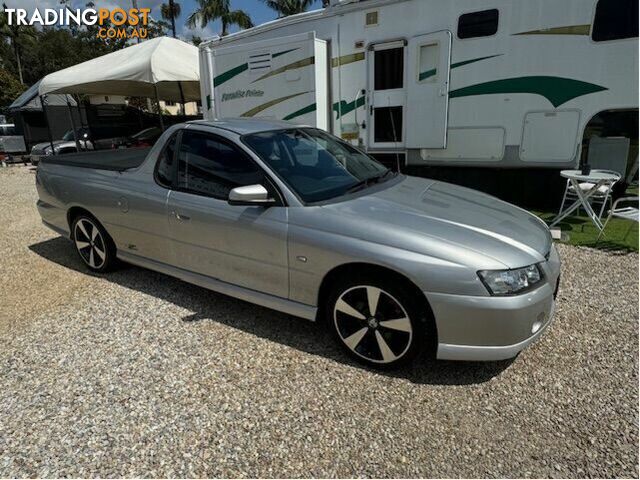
[
  {"x": 170, "y": 11},
  {"x": 10, "y": 88},
  {"x": 212, "y": 10},
  {"x": 288, "y": 7},
  {"x": 19, "y": 36}
]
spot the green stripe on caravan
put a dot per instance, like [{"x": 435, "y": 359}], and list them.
[
  {"x": 432, "y": 72},
  {"x": 302, "y": 111},
  {"x": 254, "y": 111},
  {"x": 292, "y": 66},
  {"x": 557, "y": 90},
  {"x": 567, "y": 30},
  {"x": 229, "y": 74},
  {"x": 234, "y": 72},
  {"x": 341, "y": 108}
]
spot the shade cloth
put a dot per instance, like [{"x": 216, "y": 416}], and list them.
[
  {"x": 164, "y": 62},
  {"x": 29, "y": 101}
]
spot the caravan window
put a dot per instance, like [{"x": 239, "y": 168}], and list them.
[
  {"x": 615, "y": 20},
  {"x": 478, "y": 24},
  {"x": 388, "y": 124},
  {"x": 389, "y": 69}
]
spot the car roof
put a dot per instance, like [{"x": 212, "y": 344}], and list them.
[{"x": 242, "y": 126}]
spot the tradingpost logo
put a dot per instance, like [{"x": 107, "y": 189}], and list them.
[{"x": 113, "y": 23}]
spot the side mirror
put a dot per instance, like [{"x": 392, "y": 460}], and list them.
[{"x": 255, "y": 195}]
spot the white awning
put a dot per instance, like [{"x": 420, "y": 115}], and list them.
[{"x": 165, "y": 63}]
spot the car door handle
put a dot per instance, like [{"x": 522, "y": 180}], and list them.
[{"x": 182, "y": 218}]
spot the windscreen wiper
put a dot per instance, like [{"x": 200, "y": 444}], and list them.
[{"x": 362, "y": 184}]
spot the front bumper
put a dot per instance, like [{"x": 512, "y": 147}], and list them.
[{"x": 494, "y": 328}]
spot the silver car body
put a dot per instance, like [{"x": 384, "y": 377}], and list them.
[
  {"x": 435, "y": 234},
  {"x": 43, "y": 149}
]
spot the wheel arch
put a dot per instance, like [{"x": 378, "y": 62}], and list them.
[
  {"x": 75, "y": 211},
  {"x": 378, "y": 271}
]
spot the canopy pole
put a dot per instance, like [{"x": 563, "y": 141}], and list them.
[
  {"x": 77, "y": 99},
  {"x": 84, "y": 101},
  {"x": 184, "y": 110},
  {"x": 46, "y": 117},
  {"x": 73, "y": 124},
  {"x": 155, "y": 87}
]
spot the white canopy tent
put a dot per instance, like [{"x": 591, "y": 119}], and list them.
[{"x": 163, "y": 68}]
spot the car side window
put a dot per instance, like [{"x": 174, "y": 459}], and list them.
[
  {"x": 207, "y": 165},
  {"x": 164, "y": 167}
]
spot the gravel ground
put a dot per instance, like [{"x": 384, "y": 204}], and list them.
[{"x": 138, "y": 374}]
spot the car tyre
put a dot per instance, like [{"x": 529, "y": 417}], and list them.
[
  {"x": 93, "y": 244},
  {"x": 379, "y": 322}
]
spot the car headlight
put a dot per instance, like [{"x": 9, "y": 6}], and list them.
[{"x": 511, "y": 282}]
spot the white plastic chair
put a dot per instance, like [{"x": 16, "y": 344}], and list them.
[
  {"x": 627, "y": 213},
  {"x": 609, "y": 154}
]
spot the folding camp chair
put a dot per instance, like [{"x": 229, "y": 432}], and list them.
[{"x": 627, "y": 213}]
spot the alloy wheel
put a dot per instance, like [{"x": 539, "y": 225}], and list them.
[
  {"x": 90, "y": 243},
  {"x": 373, "y": 324}
]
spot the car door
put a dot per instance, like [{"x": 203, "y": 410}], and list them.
[{"x": 241, "y": 245}]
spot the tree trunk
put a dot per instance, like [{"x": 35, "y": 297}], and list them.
[
  {"x": 173, "y": 18},
  {"x": 225, "y": 30},
  {"x": 17, "y": 52}
]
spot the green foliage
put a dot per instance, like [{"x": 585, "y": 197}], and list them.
[
  {"x": 166, "y": 12},
  {"x": 19, "y": 37},
  {"x": 170, "y": 11},
  {"x": 10, "y": 88},
  {"x": 212, "y": 10},
  {"x": 288, "y": 7},
  {"x": 32, "y": 54}
]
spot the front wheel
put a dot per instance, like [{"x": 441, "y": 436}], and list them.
[
  {"x": 378, "y": 323},
  {"x": 93, "y": 244}
]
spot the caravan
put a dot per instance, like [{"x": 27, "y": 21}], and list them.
[{"x": 499, "y": 85}]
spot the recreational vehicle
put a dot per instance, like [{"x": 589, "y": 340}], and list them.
[{"x": 512, "y": 90}]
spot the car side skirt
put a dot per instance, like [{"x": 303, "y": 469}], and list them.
[{"x": 265, "y": 300}]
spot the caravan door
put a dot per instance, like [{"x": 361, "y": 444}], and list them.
[
  {"x": 428, "y": 90},
  {"x": 387, "y": 95}
]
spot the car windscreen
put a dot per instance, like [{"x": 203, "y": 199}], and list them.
[
  {"x": 147, "y": 133},
  {"x": 81, "y": 132},
  {"x": 314, "y": 164}
]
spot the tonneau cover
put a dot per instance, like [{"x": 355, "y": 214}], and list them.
[{"x": 114, "y": 160}]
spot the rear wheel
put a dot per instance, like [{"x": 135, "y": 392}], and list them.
[
  {"x": 377, "y": 322},
  {"x": 93, "y": 244}
]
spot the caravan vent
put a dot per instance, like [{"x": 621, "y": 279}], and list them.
[
  {"x": 371, "y": 18},
  {"x": 259, "y": 62}
]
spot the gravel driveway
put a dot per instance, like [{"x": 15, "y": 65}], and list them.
[{"x": 138, "y": 374}]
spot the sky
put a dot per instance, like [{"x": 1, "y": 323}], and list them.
[{"x": 255, "y": 8}]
